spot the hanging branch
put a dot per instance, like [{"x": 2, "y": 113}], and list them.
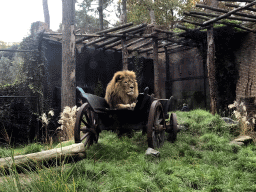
[{"x": 228, "y": 14}]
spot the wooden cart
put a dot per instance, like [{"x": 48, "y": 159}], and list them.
[{"x": 149, "y": 115}]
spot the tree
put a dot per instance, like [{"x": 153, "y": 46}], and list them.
[
  {"x": 164, "y": 11},
  {"x": 85, "y": 19},
  {"x": 68, "y": 87},
  {"x": 46, "y": 13}
]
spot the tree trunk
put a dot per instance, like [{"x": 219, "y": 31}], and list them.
[
  {"x": 100, "y": 9},
  {"x": 68, "y": 151},
  {"x": 68, "y": 87},
  {"x": 211, "y": 65},
  {"x": 46, "y": 13},
  {"x": 124, "y": 53},
  {"x": 124, "y": 11}
]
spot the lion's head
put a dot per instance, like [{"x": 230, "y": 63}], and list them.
[{"x": 122, "y": 89}]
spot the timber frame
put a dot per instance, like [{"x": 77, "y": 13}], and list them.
[
  {"x": 151, "y": 40},
  {"x": 143, "y": 39}
]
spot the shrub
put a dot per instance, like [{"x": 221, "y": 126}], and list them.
[{"x": 67, "y": 121}]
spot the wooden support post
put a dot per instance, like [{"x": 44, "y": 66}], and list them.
[
  {"x": 167, "y": 79},
  {"x": 124, "y": 53},
  {"x": 156, "y": 69},
  {"x": 211, "y": 65},
  {"x": 68, "y": 87}
]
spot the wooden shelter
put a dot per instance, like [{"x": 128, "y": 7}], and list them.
[{"x": 150, "y": 40}]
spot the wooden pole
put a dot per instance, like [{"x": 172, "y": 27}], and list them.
[
  {"x": 156, "y": 68},
  {"x": 68, "y": 87},
  {"x": 68, "y": 151},
  {"x": 167, "y": 63}
]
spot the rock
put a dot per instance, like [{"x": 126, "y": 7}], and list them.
[
  {"x": 229, "y": 121},
  {"x": 151, "y": 151},
  {"x": 241, "y": 140},
  {"x": 181, "y": 128},
  {"x": 244, "y": 138},
  {"x": 236, "y": 143}
]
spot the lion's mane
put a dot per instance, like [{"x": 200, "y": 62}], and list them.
[{"x": 116, "y": 92}]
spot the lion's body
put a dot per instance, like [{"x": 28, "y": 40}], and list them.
[{"x": 122, "y": 90}]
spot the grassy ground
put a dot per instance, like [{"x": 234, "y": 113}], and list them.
[{"x": 200, "y": 160}]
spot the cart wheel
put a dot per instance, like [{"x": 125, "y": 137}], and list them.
[
  {"x": 86, "y": 126},
  {"x": 156, "y": 125},
  {"x": 173, "y": 128}
]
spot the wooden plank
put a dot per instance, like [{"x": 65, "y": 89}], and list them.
[
  {"x": 228, "y": 14},
  {"x": 68, "y": 151}
]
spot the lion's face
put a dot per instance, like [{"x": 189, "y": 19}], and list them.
[
  {"x": 122, "y": 89},
  {"x": 128, "y": 85}
]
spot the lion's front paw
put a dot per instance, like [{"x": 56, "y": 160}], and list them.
[{"x": 133, "y": 105}]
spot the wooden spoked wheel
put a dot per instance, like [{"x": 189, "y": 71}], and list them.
[
  {"x": 156, "y": 125},
  {"x": 173, "y": 128},
  {"x": 86, "y": 128}
]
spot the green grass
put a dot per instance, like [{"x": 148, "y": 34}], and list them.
[{"x": 200, "y": 160}]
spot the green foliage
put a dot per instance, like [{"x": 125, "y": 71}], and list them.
[
  {"x": 200, "y": 122},
  {"x": 33, "y": 148},
  {"x": 85, "y": 19},
  {"x": 166, "y": 12}
]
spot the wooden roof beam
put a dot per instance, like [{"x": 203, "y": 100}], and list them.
[
  {"x": 191, "y": 13},
  {"x": 231, "y": 5},
  {"x": 246, "y": 1},
  {"x": 120, "y": 32},
  {"x": 192, "y": 22},
  {"x": 112, "y": 45},
  {"x": 142, "y": 45},
  {"x": 104, "y": 31},
  {"x": 225, "y": 11},
  {"x": 228, "y": 14}
]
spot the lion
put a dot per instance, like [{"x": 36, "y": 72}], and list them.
[{"x": 122, "y": 91}]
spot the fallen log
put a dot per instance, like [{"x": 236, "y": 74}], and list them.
[{"x": 43, "y": 156}]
